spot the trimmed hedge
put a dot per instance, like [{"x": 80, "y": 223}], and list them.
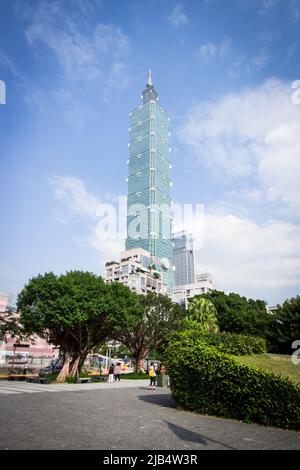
[
  {"x": 229, "y": 343},
  {"x": 210, "y": 382},
  {"x": 236, "y": 344}
]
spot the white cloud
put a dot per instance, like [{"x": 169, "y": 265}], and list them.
[
  {"x": 86, "y": 60},
  {"x": 295, "y": 10},
  {"x": 244, "y": 256},
  {"x": 260, "y": 60},
  {"x": 253, "y": 194},
  {"x": 83, "y": 52},
  {"x": 79, "y": 204},
  {"x": 269, "y": 4},
  {"x": 71, "y": 192},
  {"x": 293, "y": 7},
  {"x": 251, "y": 134},
  {"x": 178, "y": 17},
  {"x": 212, "y": 51},
  {"x": 8, "y": 63}
]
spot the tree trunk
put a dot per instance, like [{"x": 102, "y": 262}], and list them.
[
  {"x": 139, "y": 361},
  {"x": 77, "y": 363},
  {"x": 74, "y": 366},
  {"x": 81, "y": 360},
  {"x": 65, "y": 371}
]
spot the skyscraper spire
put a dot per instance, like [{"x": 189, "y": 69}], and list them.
[
  {"x": 149, "y": 94},
  {"x": 149, "y": 81},
  {"x": 149, "y": 188}
]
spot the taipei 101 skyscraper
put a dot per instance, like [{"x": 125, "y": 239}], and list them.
[{"x": 148, "y": 203}]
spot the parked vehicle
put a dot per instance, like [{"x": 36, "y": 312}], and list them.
[{"x": 54, "y": 367}]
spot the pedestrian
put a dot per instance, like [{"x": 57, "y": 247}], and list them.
[
  {"x": 118, "y": 372},
  {"x": 111, "y": 373},
  {"x": 152, "y": 375}
]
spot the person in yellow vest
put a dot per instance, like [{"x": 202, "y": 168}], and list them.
[{"x": 152, "y": 375}]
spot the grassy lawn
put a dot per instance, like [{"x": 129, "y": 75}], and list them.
[
  {"x": 276, "y": 363},
  {"x": 134, "y": 376}
]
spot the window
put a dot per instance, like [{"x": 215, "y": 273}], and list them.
[
  {"x": 145, "y": 261},
  {"x": 125, "y": 269}
]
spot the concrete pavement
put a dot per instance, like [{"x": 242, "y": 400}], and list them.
[
  {"x": 16, "y": 387},
  {"x": 128, "y": 416}
]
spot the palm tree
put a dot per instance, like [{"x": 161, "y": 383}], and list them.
[{"x": 204, "y": 313}]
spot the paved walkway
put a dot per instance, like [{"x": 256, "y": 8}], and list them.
[
  {"x": 17, "y": 387},
  {"x": 120, "y": 416}
]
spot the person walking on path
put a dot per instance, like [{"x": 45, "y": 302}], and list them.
[
  {"x": 118, "y": 372},
  {"x": 111, "y": 373},
  {"x": 152, "y": 375}
]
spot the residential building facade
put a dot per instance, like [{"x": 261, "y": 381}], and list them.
[
  {"x": 136, "y": 271},
  {"x": 202, "y": 285}
]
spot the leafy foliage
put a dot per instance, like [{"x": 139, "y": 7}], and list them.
[
  {"x": 229, "y": 343},
  {"x": 204, "y": 313},
  {"x": 75, "y": 311},
  {"x": 158, "y": 316},
  {"x": 9, "y": 324},
  {"x": 236, "y": 344},
  {"x": 210, "y": 382},
  {"x": 285, "y": 325},
  {"x": 237, "y": 314}
]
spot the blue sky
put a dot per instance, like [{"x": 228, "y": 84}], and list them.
[{"x": 223, "y": 71}]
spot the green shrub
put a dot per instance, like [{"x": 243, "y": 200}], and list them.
[
  {"x": 236, "y": 344},
  {"x": 210, "y": 382},
  {"x": 229, "y": 343},
  {"x": 135, "y": 376}
]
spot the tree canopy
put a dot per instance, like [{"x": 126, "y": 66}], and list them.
[
  {"x": 149, "y": 330},
  {"x": 285, "y": 325},
  {"x": 76, "y": 312},
  {"x": 236, "y": 314}
]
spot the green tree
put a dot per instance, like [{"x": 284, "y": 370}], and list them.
[
  {"x": 204, "y": 313},
  {"x": 9, "y": 324},
  {"x": 149, "y": 329},
  {"x": 236, "y": 314},
  {"x": 76, "y": 312},
  {"x": 285, "y": 325}
]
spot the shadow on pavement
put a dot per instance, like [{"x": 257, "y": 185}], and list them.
[
  {"x": 191, "y": 436},
  {"x": 162, "y": 400}
]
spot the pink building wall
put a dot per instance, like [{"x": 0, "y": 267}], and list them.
[
  {"x": 37, "y": 347},
  {"x": 40, "y": 349}
]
